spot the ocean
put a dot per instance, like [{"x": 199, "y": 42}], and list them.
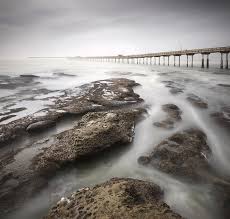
[{"x": 29, "y": 86}]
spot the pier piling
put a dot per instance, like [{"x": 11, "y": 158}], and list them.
[
  {"x": 202, "y": 64},
  {"x": 207, "y": 61},
  {"x": 221, "y": 61},
  {"x": 226, "y": 60}
]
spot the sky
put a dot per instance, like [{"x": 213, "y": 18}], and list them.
[{"x": 110, "y": 27}]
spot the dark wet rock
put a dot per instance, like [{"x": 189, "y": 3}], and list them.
[
  {"x": 62, "y": 74},
  {"x": 197, "y": 101},
  {"x": 224, "y": 85},
  {"x": 175, "y": 87},
  {"x": 116, "y": 198},
  {"x": 176, "y": 90},
  {"x": 94, "y": 133},
  {"x": 223, "y": 117},
  {"x": 2, "y": 77},
  {"x": 14, "y": 129},
  {"x": 41, "y": 91},
  {"x": 221, "y": 73},
  {"x": 3, "y": 118},
  {"x": 15, "y": 82},
  {"x": 173, "y": 115},
  {"x": 38, "y": 126},
  {"x": 166, "y": 124},
  {"x": 144, "y": 160},
  {"x": 96, "y": 96},
  {"x": 221, "y": 192},
  {"x": 7, "y": 98},
  {"x": 5, "y": 85},
  {"x": 29, "y": 76},
  {"x": 101, "y": 95},
  {"x": 183, "y": 154},
  {"x": 15, "y": 110}
]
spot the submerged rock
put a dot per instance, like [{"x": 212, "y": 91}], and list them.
[
  {"x": 94, "y": 133},
  {"x": 14, "y": 110},
  {"x": 224, "y": 85},
  {"x": 223, "y": 117},
  {"x": 116, "y": 198},
  {"x": 95, "y": 96},
  {"x": 19, "y": 81},
  {"x": 29, "y": 76},
  {"x": 175, "y": 88},
  {"x": 183, "y": 154},
  {"x": 38, "y": 126},
  {"x": 221, "y": 191},
  {"x": 62, "y": 74},
  {"x": 3, "y": 118},
  {"x": 197, "y": 101},
  {"x": 173, "y": 115}
]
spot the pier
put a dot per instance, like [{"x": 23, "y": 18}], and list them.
[{"x": 151, "y": 58}]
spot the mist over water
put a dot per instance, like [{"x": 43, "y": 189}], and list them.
[{"x": 190, "y": 200}]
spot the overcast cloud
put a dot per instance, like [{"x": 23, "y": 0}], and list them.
[{"x": 100, "y": 27}]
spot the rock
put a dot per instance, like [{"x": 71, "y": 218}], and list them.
[
  {"x": 15, "y": 82},
  {"x": 223, "y": 117},
  {"x": 96, "y": 96},
  {"x": 183, "y": 154},
  {"x": 224, "y": 85},
  {"x": 62, "y": 74},
  {"x": 221, "y": 192},
  {"x": 144, "y": 160},
  {"x": 15, "y": 110},
  {"x": 94, "y": 133},
  {"x": 38, "y": 126},
  {"x": 173, "y": 115},
  {"x": 6, "y": 117},
  {"x": 29, "y": 76},
  {"x": 116, "y": 198},
  {"x": 175, "y": 88},
  {"x": 197, "y": 101}
]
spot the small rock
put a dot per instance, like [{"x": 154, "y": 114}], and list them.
[
  {"x": 173, "y": 115},
  {"x": 197, "y": 101},
  {"x": 143, "y": 160},
  {"x": 38, "y": 126},
  {"x": 183, "y": 154},
  {"x": 223, "y": 117},
  {"x": 6, "y": 117}
]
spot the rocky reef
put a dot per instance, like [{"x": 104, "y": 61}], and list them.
[
  {"x": 95, "y": 132},
  {"x": 105, "y": 121},
  {"x": 183, "y": 154},
  {"x": 95, "y": 96},
  {"x": 116, "y": 198}
]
